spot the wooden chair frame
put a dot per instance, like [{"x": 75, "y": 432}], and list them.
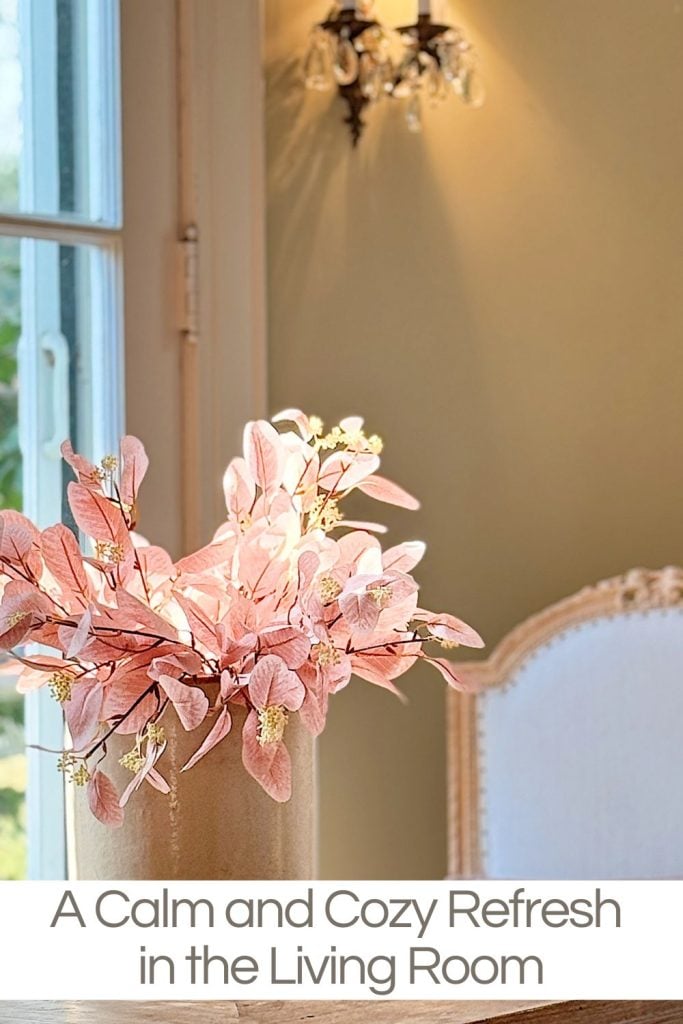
[{"x": 638, "y": 590}]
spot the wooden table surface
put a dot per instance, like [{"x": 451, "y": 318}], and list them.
[{"x": 343, "y": 1013}]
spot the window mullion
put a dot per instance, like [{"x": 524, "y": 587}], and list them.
[
  {"x": 103, "y": 114},
  {"x": 56, "y": 229},
  {"x": 43, "y": 405}
]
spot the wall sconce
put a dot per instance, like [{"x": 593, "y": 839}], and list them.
[{"x": 354, "y": 52}]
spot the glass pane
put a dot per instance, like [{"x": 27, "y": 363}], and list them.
[
  {"x": 55, "y": 331},
  {"x": 10, "y": 101},
  {"x": 12, "y": 756},
  {"x": 58, "y": 108},
  {"x": 13, "y": 847},
  {"x": 10, "y": 320}
]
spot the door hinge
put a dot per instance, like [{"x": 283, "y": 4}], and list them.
[{"x": 189, "y": 279}]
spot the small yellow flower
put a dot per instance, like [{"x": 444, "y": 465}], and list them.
[
  {"x": 60, "y": 683},
  {"x": 316, "y": 425},
  {"x": 73, "y": 770},
  {"x": 331, "y": 440},
  {"x": 132, "y": 761},
  {"x": 272, "y": 722},
  {"x": 381, "y": 595},
  {"x": 448, "y": 645},
  {"x": 328, "y": 655},
  {"x": 107, "y": 551},
  {"x": 329, "y": 589},
  {"x": 80, "y": 776},
  {"x": 110, "y": 463},
  {"x": 324, "y": 514},
  {"x": 66, "y": 762},
  {"x": 16, "y": 617},
  {"x": 354, "y": 439},
  {"x": 156, "y": 733}
]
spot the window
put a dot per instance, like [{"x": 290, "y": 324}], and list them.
[
  {"x": 60, "y": 332},
  {"x": 190, "y": 141}
]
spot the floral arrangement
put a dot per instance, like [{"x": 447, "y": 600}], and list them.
[{"x": 271, "y": 617}]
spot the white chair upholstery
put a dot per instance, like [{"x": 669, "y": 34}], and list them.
[{"x": 569, "y": 763}]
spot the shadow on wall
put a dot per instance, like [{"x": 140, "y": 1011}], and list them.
[{"x": 368, "y": 276}]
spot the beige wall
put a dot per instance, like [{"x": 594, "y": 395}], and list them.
[{"x": 502, "y": 298}]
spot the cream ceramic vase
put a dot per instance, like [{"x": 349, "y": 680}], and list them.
[{"x": 216, "y": 823}]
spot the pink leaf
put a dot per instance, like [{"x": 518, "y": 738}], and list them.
[
  {"x": 289, "y": 643},
  {"x": 307, "y": 566},
  {"x": 447, "y": 670},
  {"x": 384, "y": 490},
  {"x": 336, "y": 677},
  {"x": 272, "y": 683},
  {"x": 313, "y": 711},
  {"x": 219, "y": 731},
  {"x": 135, "y": 464},
  {"x": 137, "y": 614},
  {"x": 155, "y": 561},
  {"x": 362, "y": 524},
  {"x": 297, "y": 417},
  {"x": 381, "y": 663},
  {"x": 131, "y": 788},
  {"x": 152, "y": 755},
  {"x": 43, "y": 663},
  {"x": 22, "y": 608},
  {"x": 259, "y": 571},
  {"x": 360, "y": 549},
  {"x": 360, "y": 609},
  {"x": 97, "y": 517},
  {"x": 64, "y": 560},
  {"x": 177, "y": 662},
  {"x": 110, "y": 646},
  {"x": 233, "y": 651},
  {"x": 229, "y": 685},
  {"x": 82, "y": 712},
  {"x": 103, "y": 800},
  {"x": 127, "y": 685},
  {"x": 403, "y": 557},
  {"x": 301, "y": 471},
  {"x": 447, "y": 627},
  {"x": 19, "y": 540},
  {"x": 264, "y": 454},
  {"x": 17, "y": 534},
  {"x": 352, "y": 424},
  {"x": 208, "y": 557},
  {"x": 269, "y": 764},
  {"x": 191, "y": 703},
  {"x": 239, "y": 488},
  {"x": 200, "y": 624},
  {"x": 343, "y": 470},
  {"x": 88, "y": 474},
  {"x": 37, "y": 671},
  {"x": 80, "y": 634},
  {"x": 157, "y": 780}
]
